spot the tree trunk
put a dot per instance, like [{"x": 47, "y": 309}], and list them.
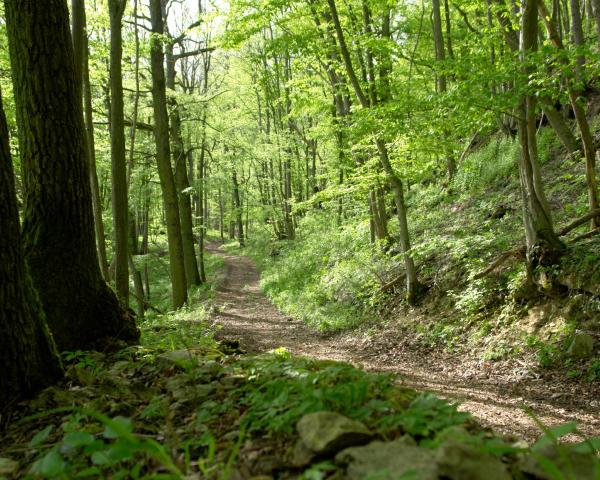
[
  {"x": 238, "y": 209},
  {"x": 117, "y": 148},
  {"x": 182, "y": 181},
  {"x": 543, "y": 245},
  {"x": 58, "y": 224},
  {"x": 28, "y": 355},
  {"x": 163, "y": 157},
  {"x": 94, "y": 184},
  {"x": 201, "y": 193},
  {"x": 589, "y": 150},
  {"x": 412, "y": 283},
  {"x": 596, "y": 9}
]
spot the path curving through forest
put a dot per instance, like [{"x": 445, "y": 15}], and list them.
[{"x": 494, "y": 398}]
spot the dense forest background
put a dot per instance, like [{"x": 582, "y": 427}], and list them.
[{"x": 420, "y": 174}]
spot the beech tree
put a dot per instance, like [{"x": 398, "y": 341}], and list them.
[
  {"x": 58, "y": 223},
  {"x": 163, "y": 156},
  {"x": 27, "y": 351}
]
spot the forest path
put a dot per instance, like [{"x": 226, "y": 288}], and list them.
[{"x": 496, "y": 399}]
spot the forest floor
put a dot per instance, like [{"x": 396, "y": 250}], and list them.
[{"x": 498, "y": 394}]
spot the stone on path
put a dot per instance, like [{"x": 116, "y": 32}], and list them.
[
  {"x": 388, "y": 461},
  {"x": 582, "y": 346},
  {"x": 458, "y": 461},
  {"x": 326, "y": 433}
]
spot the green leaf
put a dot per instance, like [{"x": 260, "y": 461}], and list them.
[
  {"x": 589, "y": 445},
  {"x": 90, "y": 472},
  {"x": 78, "y": 439},
  {"x": 50, "y": 465},
  {"x": 101, "y": 458},
  {"x": 118, "y": 427},
  {"x": 39, "y": 437}
]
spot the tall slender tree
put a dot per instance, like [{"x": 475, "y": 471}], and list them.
[
  {"x": 58, "y": 224},
  {"x": 163, "y": 156},
  {"x": 182, "y": 182},
  {"x": 543, "y": 245},
  {"x": 117, "y": 148}
]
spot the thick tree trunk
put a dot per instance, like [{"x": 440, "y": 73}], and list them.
[
  {"x": 58, "y": 224},
  {"x": 182, "y": 181},
  {"x": 163, "y": 158},
  {"x": 117, "y": 149},
  {"x": 28, "y": 355}
]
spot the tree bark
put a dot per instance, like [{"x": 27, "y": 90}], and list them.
[
  {"x": 238, "y": 209},
  {"x": 118, "y": 161},
  {"x": 182, "y": 181},
  {"x": 28, "y": 355},
  {"x": 412, "y": 283},
  {"x": 589, "y": 150},
  {"x": 93, "y": 172},
  {"x": 58, "y": 224},
  {"x": 543, "y": 245},
  {"x": 163, "y": 157}
]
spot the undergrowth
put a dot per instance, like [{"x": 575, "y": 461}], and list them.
[{"x": 331, "y": 276}]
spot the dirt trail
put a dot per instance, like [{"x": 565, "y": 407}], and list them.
[{"x": 496, "y": 398}]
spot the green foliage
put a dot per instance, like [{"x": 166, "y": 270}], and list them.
[
  {"x": 330, "y": 285},
  {"x": 116, "y": 452},
  {"x": 495, "y": 161}
]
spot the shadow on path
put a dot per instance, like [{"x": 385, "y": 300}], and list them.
[{"x": 245, "y": 314}]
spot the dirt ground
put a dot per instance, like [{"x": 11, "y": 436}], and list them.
[{"x": 497, "y": 394}]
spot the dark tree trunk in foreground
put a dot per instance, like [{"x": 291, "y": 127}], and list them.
[
  {"x": 27, "y": 353},
  {"x": 163, "y": 157},
  {"x": 58, "y": 225}
]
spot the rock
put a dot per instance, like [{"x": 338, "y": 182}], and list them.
[
  {"x": 573, "y": 465},
  {"x": 301, "y": 456},
  {"x": 8, "y": 466},
  {"x": 180, "y": 388},
  {"x": 179, "y": 358},
  {"x": 457, "y": 461},
  {"x": 326, "y": 433},
  {"x": 582, "y": 346},
  {"x": 388, "y": 461}
]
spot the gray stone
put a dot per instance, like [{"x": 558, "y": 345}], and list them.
[
  {"x": 8, "y": 466},
  {"x": 326, "y": 433},
  {"x": 457, "y": 461},
  {"x": 388, "y": 461},
  {"x": 582, "y": 346},
  {"x": 179, "y": 358},
  {"x": 301, "y": 456},
  {"x": 573, "y": 465},
  {"x": 183, "y": 391}
]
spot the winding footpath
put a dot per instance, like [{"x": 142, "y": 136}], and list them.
[{"x": 495, "y": 399}]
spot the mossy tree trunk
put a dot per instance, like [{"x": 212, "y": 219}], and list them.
[
  {"x": 27, "y": 352},
  {"x": 58, "y": 224}
]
